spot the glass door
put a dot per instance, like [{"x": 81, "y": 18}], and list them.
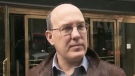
[
  {"x": 127, "y": 45},
  {"x": 4, "y": 42},
  {"x": 103, "y": 39},
  {"x": 36, "y": 44}
]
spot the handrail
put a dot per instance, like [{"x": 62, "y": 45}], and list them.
[
  {"x": 110, "y": 60},
  {"x": 33, "y": 64},
  {"x": 107, "y": 57},
  {"x": 4, "y": 66}
]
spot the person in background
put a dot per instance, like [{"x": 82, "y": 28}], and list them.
[
  {"x": 20, "y": 54},
  {"x": 67, "y": 32}
]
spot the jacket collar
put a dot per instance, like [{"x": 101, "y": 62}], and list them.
[
  {"x": 94, "y": 58},
  {"x": 92, "y": 70},
  {"x": 46, "y": 65},
  {"x": 94, "y": 62}
]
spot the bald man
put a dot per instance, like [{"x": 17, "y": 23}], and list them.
[{"x": 67, "y": 32}]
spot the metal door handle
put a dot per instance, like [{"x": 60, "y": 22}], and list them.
[{"x": 4, "y": 66}]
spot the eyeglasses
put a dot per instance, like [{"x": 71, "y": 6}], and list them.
[{"x": 67, "y": 29}]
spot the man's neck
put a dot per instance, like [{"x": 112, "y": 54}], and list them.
[{"x": 67, "y": 65}]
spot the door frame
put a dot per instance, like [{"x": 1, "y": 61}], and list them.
[
  {"x": 6, "y": 67},
  {"x": 125, "y": 20},
  {"x": 26, "y": 17},
  {"x": 116, "y": 56}
]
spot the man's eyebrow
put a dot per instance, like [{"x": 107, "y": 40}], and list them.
[
  {"x": 69, "y": 24},
  {"x": 81, "y": 22}
]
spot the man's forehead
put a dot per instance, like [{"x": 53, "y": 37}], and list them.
[{"x": 62, "y": 10}]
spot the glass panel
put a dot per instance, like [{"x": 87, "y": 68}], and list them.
[
  {"x": 17, "y": 54},
  {"x": 103, "y": 39},
  {"x": 127, "y": 49},
  {"x": 38, "y": 44},
  {"x": 2, "y": 42}
]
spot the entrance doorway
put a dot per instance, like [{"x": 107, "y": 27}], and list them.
[
  {"x": 17, "y": 51},
  {"x": 127, "y": 45},
  {"x": 103, "y": 39},
  {"x": 36, "y": 44},
  {"x": 29, "y": 45}
]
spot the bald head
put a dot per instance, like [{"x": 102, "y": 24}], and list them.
[
  {"x": 59, "y": 12},
  {"x": 63, "y": 7}
]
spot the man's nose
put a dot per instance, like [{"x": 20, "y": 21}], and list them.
[{"x": 75, "y": 33}]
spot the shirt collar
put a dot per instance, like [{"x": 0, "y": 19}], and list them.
[
  {"x": 84, "y": 63},
  {"x": 55, "y": 63}
]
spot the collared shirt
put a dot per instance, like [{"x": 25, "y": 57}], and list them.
[{"x": 78, "y": 71}]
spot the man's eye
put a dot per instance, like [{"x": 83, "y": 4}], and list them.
[
  {"x": 66, "y": 28},
  {"x": 81, "y": 26}
]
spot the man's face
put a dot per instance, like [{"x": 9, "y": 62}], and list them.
[{"x": 74, "y": 45}]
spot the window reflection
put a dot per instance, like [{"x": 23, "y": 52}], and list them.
[
  {"x": 39, "y": 47},
  {"x": 103, "y": 39}
]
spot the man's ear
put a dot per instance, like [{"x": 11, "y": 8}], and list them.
[{"x": 49, "y": 37}]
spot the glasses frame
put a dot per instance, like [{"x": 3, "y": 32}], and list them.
[{"x": 86, "y": 26}]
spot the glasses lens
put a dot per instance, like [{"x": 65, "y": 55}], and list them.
[
  {"x": 82, "y": 28},
  {"x": 66, "y": 30}
]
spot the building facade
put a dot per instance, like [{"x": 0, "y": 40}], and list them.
[{"x": 23, "y": 44}]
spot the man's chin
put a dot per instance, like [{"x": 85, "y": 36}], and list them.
[{"x": 77, "y": 55}]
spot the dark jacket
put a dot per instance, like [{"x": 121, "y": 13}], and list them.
[{"x": 96, "y": 67}]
